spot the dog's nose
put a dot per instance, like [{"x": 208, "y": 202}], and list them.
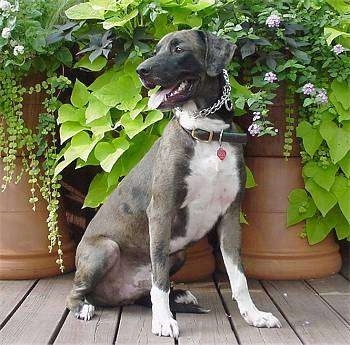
[{"x": 142, "y": 71}]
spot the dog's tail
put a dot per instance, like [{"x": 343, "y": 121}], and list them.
[{"x": 181, "y": 301}]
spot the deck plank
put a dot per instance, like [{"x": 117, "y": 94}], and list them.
[
  {"x": 336, "y": 291},
  {"x": 11, "y": 293},
  {"x": 206, "y": 329},
  {"x": 310, "y": 317},
  {"x": 249, "y": 335},
  {"x": 36, "y": 319},
  {"x": 135, "y": 328},
  {"x": 99, "y": 330}
]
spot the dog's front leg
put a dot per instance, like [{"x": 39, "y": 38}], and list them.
[
  {"x": 163, "y": 323},
  {"x": 229, "y": 231}
]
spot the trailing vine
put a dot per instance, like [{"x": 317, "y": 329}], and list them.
[{"x": 290, "y": 119}]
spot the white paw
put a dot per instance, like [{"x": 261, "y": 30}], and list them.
[
  {"x": 166, "y": 327},
  {"x": 259, "y": 318},
  {"x": 86, "y": 312},
  {"x": 186, "y": 298}
]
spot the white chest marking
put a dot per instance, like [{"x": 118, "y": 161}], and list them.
[
  {"x": 211, "y": 188},
  {"x": 188, "y": 121}
]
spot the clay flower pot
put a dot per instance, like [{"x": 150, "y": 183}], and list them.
[
  {"x": 270, "y": 250},
  {"x": 24, "y": 244},
  {"x": 23, "y": 236}
]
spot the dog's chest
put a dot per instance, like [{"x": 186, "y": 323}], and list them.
[{"x": 212, "y": 186}]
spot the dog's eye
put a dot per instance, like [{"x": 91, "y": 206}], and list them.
[{"x": 178, "y": 50}]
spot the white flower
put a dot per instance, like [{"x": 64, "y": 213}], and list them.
[
  {"x": 18, "y": 50},
  {"x": 273, "y": 21},
  {"x": 5, "y": 5},
  {"x": 270, "y": 77},
  {"x": 338, "y": 49},
  {"x": 6, "y": 32}
]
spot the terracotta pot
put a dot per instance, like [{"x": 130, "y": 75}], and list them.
[
  {"x": 23, "y": 236},
  {"x": 270, "y": 250},
  {"x": 268, "y": 146},
  {"x": 199, "y": 265}
]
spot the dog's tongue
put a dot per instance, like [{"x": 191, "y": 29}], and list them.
[{"x": 157, "y": 98}]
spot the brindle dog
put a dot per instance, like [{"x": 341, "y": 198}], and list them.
[{"x": 173, "y": 197}]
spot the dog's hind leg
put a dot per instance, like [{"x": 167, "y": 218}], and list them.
[
  {"x": 95, "y": 257},
  {"x": 230, "y": 240}
]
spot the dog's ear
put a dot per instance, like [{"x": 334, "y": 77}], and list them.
[{"x": 218, "y": 52}]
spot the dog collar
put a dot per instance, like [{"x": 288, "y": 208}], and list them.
[
  {"x": 222, "y": 136},
  {"x": 224, "y": 99}
]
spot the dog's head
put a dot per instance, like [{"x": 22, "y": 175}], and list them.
[{"x": 183, "y": 62}]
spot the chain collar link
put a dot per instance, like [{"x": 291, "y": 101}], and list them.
[{"x": 224, "y": 99}]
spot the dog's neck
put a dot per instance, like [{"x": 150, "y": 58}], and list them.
[{"x": 214, "y": 122}]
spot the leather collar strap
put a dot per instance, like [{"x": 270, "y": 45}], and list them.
[{"x": 207, "y": 137}]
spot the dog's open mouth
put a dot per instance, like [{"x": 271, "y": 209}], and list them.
[{"x": 170, "y": 96}]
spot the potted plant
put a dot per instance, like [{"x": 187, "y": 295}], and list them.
[
  {"x": 29, "y": 88},
  {"x": 292, "y": 45}
]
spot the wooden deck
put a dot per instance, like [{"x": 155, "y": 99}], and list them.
[{"x": 311, "y": 312}]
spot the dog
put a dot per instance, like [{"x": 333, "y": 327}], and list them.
[{"x": 191, "y": 180}]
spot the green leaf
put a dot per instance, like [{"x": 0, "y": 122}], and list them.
[
  {"x": 122, "y": 93},
  {"x": 300, "y": 207},
  {"x": 345, "y": 164},
  {"x": 332, "y": 34},
  {"x": 242, "y": 218},
  {"x": 140, "y": 146},
  {"x": 68, "y": 129},
  {"x": 104, "y": 79},
  {"x": 80, "y": 94},
  {"x": 95, "y": 66},
  {"x": 84, "y": 11},
  {"x": 119, "y": 20},
  {"x": 311, "y": 137},
  {"x": 342, "y": 228},
  {"x": 185, "y": 16},
  {"x": 67, "y": 112},
  {"x": 341, "y": 92},
  {"x": 250, "y": 182},
  {"x": 95, "y": 109},
  {"x": 108, "y": 153},
  {"x": 317, "y": 228},
  {"x": 199, "y": 5},
  {"x": 338, "y": 140},
  {"x": 101, "y": 125},
  {"x": 341, "y": 189},
  {"x": 324, "y": 200},
  {"x": 98, "y": 191},
  {"x": 343, "y": 114},
  {"x": 324, "y": 177},
  {"x": 80, "y": 146},
  {"x": 103, "y": 4},
  {"x": 135, "y": 126},
  {"x": 141, "y": 106}
]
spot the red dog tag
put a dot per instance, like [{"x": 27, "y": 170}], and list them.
[{"x": 221, "y": 153}]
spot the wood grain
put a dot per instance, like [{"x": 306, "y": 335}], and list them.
[
  {"x": 135, "y": 328},
  {"x": 206, "y": 329},
  {"x": 249, "y": 335},
  {"x": 11, "y": 293},
  {"x": 37, "y": 317},
  {"x": 310, "y": 317},
  {"x": 100, "y": 329},
  {"x": 335, "y": 290}
]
